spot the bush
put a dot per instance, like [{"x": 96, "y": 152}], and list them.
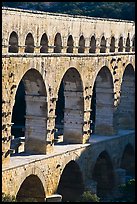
[
  {"x": 8, "y": 198},
  {"x": 87, "y": 196},
  {"x": 128, "y": 191}
]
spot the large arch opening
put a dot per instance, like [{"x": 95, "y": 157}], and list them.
[
  {"x": 29, "y": 43},
  {"x": 32, "y": 92},
  {"x": 44, "y": 44},
  {"x": 126, "y": 108},
  {"x": 57, "y": 43},
  {"x": 31, "y": 190},
  {"x": 128, "y": 160},
  {"x": 71, "y": 184},
  {"x": 72, "y": 101},
  {"x": 70, "y": 44},
  {"x": 13, "y": 42},
  {"x": 102, "y": 104},
  {"x": 103, "y": 174}
]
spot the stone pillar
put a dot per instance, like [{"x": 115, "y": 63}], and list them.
[
  {"x": 73, "y": 117},
  {"x": 120, "y": 176},
  {"x": 104, "y": 112},
  {"x": 36, "y": 124},
  {"x": 91, "y": 186}
]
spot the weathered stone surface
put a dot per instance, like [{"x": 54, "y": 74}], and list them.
[{"x": 112, "y": 74}]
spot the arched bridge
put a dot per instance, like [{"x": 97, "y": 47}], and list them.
[{"x": 68, "y": 88}]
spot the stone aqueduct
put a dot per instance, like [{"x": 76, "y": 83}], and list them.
[{"x": 93, "y": 59}]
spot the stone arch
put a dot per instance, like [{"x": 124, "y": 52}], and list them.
[
  {"x": 13, "y": 42},
  {"x": 31, "y": 189},
  {"x": 103, "y": 174},
  {"x": 92, "y": 45},
  {"x": 29, "y": 43},
  {"x": 71, "y": 185},
  {"x": 112, "y": 44},
  {"x": 44, "y": 44},
  {"x": 72, "y": 92},
  {"x": 103, "y": 45},
  {"x": 127, "y": 49},
  {"x": 102, "y": 103},
  {"x": 81, "y": 48},
  {"x": 120, "y": 44},
  {"x": 36, "y": 111},
  {"x": 128, "y": 160},
  {"x": 126, "y": 107},
  {"x": 133, "y": 44},
  {"x": 57, "y": 43},
  {"x": 70, "y": 44}
]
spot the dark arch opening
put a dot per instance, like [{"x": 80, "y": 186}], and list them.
[
  {"x": 127, "y": 44},
  {"x": 92, "y": 45},
  {"x": 13, "y": 43},
  {"x": 57, "y": 43},
  {"x": 44, "y": 44},
  {"x": 19, "y": 112},
  {"x": 71, "y": 184},
  {"x": 70, "y": 43},
  {"x": 112, "y": 44},
  {"x": 102, "y": 104},
  {"x": 29, "y": 43},
  {"x": 126, "y": 107},
  {"x": 59, "y": 112},
  {"x": 81, "y": 48},
  {"x": 103, "y": 174},
  {"x": 120, "y": 45},
  {"x": 31, "y": 103},
  {"x": 103, "y": 45},
  {"x": 133, "y": 44},
  {"x": 31, "y": 190},
  {"x": 128, "y": 160}
]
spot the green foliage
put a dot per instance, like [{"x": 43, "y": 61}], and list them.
[
  {"x": 118, "y": 10},
  {"x": 128, "y": 191},
  {"x": 88, "y": 197},
  {"x": 8, "y": 198}
]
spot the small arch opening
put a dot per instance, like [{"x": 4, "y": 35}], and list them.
[
  {"x": 112, "y": 44},
  {"x": 127, "y": 49},
  {"x": 70, "y": 44},
  {"x": 120, "y": 44},
  {"x": 103, "y": 45},
  {"x": 81, "y": 48},
  {"x": 13, "y": 43},
  {"x": 92, "y": 45},
  {"x": 57, "y": 43},
  {"x": 44, "y": 44},
  {"x": 29, "y": 43}
]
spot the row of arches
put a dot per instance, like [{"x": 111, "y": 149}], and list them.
[
  {"x": 31, "y": 95},
  {"x": 29, "y": 44},
  {"x": 71, "y": 184}
]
